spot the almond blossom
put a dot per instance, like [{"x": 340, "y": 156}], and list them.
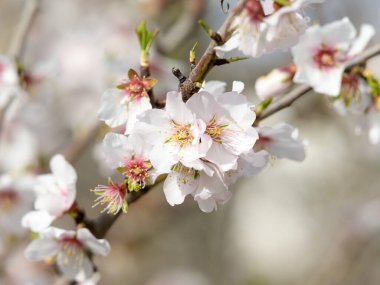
[
  {"x": 323, "y": 52},
  {"x": 70, "y": 250},
  {"x": 130, "y": 156},
  {"x": 275, "y": 83},
  {"x": 121, "y": 105},
  {"x": 175, "y": 134},
  {"x": 206, "y": 186},
  {"x": 55, "y": 193},
  {"x": 228, "y": 118},
  {"x": 281, "y": 141},
  {"x": 264, "y": 26}
]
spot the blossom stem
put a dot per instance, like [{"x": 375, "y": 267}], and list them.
[{"x": 288, "y": 99}]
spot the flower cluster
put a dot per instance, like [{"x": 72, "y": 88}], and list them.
[
  {"x": 263, "y": 26},
  {"x": 201, "y": 146},
  {"x": 55, "y": 196}
]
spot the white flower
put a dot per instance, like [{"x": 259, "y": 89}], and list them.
[
  {"x": 55, "y": 192},
  {"x": 262, "y": 30},
  {"x": 274, "y": 83},
  {"x": 281, "y": 141},
  {"x": 130, "y": 155},
  {"x": 9, "y": 81},
  {"x": 121, "y": 105},
  {"x": 322, "y": 54},
  {"x": 206, "y": 186},
  {"x": 70, "y": 250},
  {"x": 16, "y": 199},
  {"x": 175, "y": 134},
  {"x": 228, "y": 118}
]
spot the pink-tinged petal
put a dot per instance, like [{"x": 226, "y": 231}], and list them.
[
  {"x": 42, "y": 248},
  {"x": 96, "y": 246},
  {"x": 37, "y": 221}
]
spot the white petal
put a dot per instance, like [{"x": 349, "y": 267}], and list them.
[
  {"x": 62, "y": 170},
  {"x": 97, "y": 246},
  {"x": 37, "y": 220},
  {"x": 111, "y": 111},
  {"x": 71, "y": 263},
  {"x": 116, "y": 148},
  {"x": 214, "y": 87},
  {"x": 176, "y": 191},
  {"x": 177, "y": 109},
  {"x": 221, "y": 157},
  {"x": 230, "y": 45},
  {"x": 238, "y": 86},
  {"x": 365, "y": 35},
  {"x": 42, "y": 248}
]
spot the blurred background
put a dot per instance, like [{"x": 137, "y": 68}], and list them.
[{"x": 316, "y": 222}]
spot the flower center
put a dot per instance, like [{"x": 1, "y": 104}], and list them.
[
  {"x": 182, "y": 135},
  {"x": 135, "y": 89},
  {"x": 137, "y": 170},
  {"x": 350, "y": 88},
  {"x": 71, "y": 247},
  {"x": 214, "y": 129},
  {"x": 254, "y": 10},
  {"x": 326, "y": 57}
]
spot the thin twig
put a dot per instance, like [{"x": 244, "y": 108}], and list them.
[
  {"x": 18, "y": 40},
  {"x": 80, "y": 142},
  {"x": 301, "y": 90}
]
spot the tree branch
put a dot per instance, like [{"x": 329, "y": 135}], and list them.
[
  {"x": 208, "y": 59},
  {"x": 18, "y": 40},
  {"x": 288, "y": 99},
  {"x": 100, "y": 226}
]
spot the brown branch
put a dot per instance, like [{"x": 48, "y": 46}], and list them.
[
  {"x": 288, "y": 99},
  {"x": 207, "y": 61},
  {"x": 18, "y": 40}
]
